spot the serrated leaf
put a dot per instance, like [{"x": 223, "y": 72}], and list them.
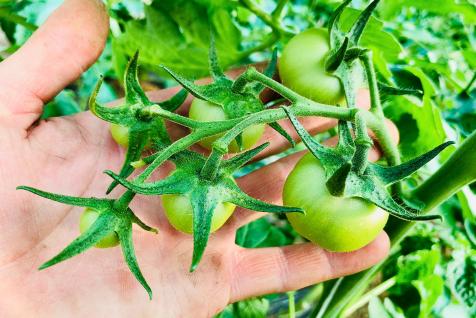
[{"x": 462, "y": 280}]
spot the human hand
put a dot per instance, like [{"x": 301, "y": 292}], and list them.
[{"x": 67, "y": 155}]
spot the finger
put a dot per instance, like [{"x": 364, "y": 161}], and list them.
[
  {"x": 279, "y": 269},
  {"x": 267, "y": 184},
  {"x": 56, "y": 54}
]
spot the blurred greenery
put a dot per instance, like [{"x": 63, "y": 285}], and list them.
[{"x": 422, "y": 44}]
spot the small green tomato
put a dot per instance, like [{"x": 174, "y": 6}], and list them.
[
  {"x": 302, "y": 67},
  {"x": 178, "y": 210},
  {"x": 120, "y": 134},
  {"x": 334, "y": 223},
  {"x": 88, "y": 217},
  {"x": 201, "y": 110}
]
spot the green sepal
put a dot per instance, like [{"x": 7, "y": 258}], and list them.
[
  {"x": 335, "y": 34},
  {"x": 111, "y": 218},
  {"x": 234, "y": 163},
  {"x": 346, "y": 50},
  {"x": 390, "y": 90},
  {"x": 219, "y": 92},
  {"x": 334, "y": 60},
  {"x": 268, "y": 71},
  {"x": 239, "y": 141},
  {"x": 92, "y": 202},
  {"x": 238, "y": 197},
  {"x": 342, "y": 180},
  {"x": 389, "y": 175},
  {"x": 215, "y": 70},
  {"x": 204, "y": 200},
  {"x": 175, "y": 102},
  {"x": 104, "y": 225},
  {"x": 134, "y": 92},
  {"x": 142, "y": 130},
  {"x": 280, "y": 130},
  {"x": 358, "y": 28},
  {"x": 138, "y": 139},
  {"x": 124, "y": 232},
  {"x": 177, "y": 183},
  {"x": 205, "y": 193}
]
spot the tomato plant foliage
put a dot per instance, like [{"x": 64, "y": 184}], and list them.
[{"x": 416, "y": 59}]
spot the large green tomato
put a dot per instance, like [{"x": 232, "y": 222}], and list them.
[
  {"x": 88, "y": 217},
  {"x": 178, "y": 210},
  {"x": 201, "y": 110},
  {"x": 302, "y": 68},
  {"x": 334, "y": 223},
  {"x": 120, "y": 134}
]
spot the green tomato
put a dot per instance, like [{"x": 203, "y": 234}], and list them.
[
  {"x": 88, "y": 217},
  {"x": 334, "y": 223},
  {"x": 302, "y": 68},
  {"x": 120, "y": 134},
  {"x": 201, "y": 110},
  {"x": 178, "y": 210}
]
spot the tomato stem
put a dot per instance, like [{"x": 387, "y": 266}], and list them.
[
  {"x": 363, "y": 145},
  {"x": 381, "y": 131}
]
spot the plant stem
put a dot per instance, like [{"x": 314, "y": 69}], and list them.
[
  {"x": 272, "y": 38},
  {"x": 458, "y": 171},
  {"x": 381, "y": 131},
  {"x": 266, "y": 18},
  {"x": 363, "y": 145},
  {"x": 276, "y": 14},
  {"x": 369, "y": 295},
  {"x": 292, "y": 304},
  {"x": 319, "y": 312}
]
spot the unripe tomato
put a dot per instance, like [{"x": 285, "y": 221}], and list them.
[
  {"x": 120, "y": 134},
  {"x": 178, "y": 210},
  {"x": 201, "y": 110},
  {"x": 334, "y": 223},
  {"x": 302, "y": 67},
  {"x": 88, "y": 217}
]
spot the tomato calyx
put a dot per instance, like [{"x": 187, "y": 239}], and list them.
[
  {"x": 142, "y": 130},
  {"x": 235, "y": 101},
  {"x": 205, "y": 193},
  {"x": 347, "y": 177},
  {"x": 111, "y": 218}
]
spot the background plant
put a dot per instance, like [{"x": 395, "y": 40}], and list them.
[{"x": 415, "y": 45}]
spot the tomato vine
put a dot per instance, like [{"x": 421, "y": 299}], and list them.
[{"x": 207, "y": 181}]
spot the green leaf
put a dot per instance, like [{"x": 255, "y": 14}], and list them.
[
  {"x": 253, "y": 234},
  {"x": 176, "y": 34},
  {"x": 252, "y": 308},
  {"x": 82, "y": 202},
  {"x": 430, "y": 289},
  {"x": 138, "y": 138},
  {"x": 417, "y": 265},
  {"x": 462, "y": 279},
  {"x": 420, "y": 123},
  {"x": 440, "y": 7}
]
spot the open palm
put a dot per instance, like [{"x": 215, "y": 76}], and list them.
[{"x": 67, "y": 155}]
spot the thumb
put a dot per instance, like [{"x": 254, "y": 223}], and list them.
[{"x": 70, "y": 40}]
